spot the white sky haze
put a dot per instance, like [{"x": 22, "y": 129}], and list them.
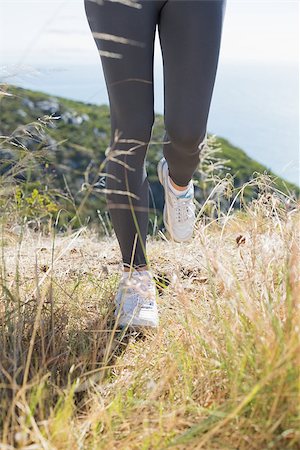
[{"x": 56, "y": 32}]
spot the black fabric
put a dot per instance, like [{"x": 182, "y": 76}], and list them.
[{"x": 190, "y": 36}]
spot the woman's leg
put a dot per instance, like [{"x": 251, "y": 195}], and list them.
[
  {"x": 190, "y": 35},
  {"x": 128, "y": 71}
]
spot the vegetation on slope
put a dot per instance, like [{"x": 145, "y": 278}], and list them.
[
  {"x": 221, "y": 372},
  {"x": 63, "y": 143}
]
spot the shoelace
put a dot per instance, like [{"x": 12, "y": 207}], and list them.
[{"x": 182, "y": 209}]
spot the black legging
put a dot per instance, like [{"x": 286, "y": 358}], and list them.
[{"x": 124, "y": 32}]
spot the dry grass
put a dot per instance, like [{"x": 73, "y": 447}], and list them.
[{"x": 222, "y": 371}]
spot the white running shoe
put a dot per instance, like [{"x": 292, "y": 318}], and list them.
[
  {"x": 135, "y": 300},
  {"x": 179, "y": 210}
]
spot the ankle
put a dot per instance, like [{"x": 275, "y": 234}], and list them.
[
  {"x": 178, "y": 190},
  {"x": 139, "y": 269}
]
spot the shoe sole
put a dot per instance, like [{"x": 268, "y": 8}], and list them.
[
  {"x": 165, "y": 212},
  {"x": 125, "y": 321}
]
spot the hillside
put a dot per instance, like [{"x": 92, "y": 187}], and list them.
[
  {"x": 64, "y": 143},
  {"x": 221, "y": 372}
]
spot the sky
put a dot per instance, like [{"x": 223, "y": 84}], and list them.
[{"x": 56, "y": 32}]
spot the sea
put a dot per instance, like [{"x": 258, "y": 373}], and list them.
[{"x": 254, "y": 105}]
